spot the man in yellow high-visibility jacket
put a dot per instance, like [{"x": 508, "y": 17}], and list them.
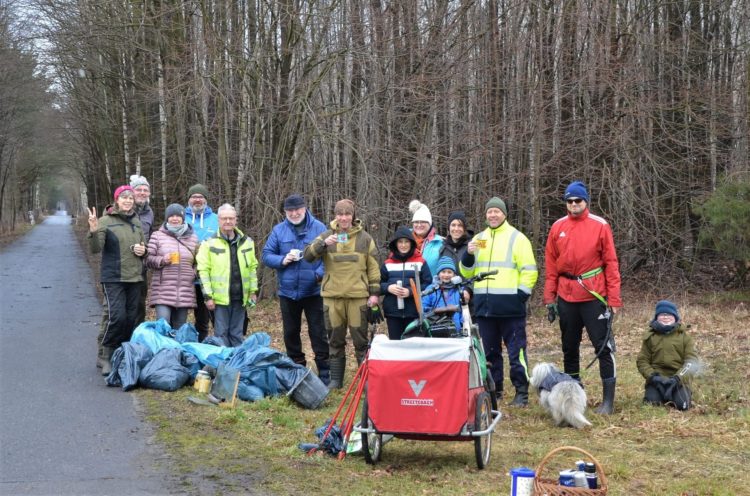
[
  {"x": 227, "y": 268},
  {"x": 500, "y": 301}
]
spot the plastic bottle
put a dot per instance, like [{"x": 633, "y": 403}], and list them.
[
  {"x": 399, "y": 300},
  {"x": 579, "y": 477},
  {"x": 566, "y": 478},
  {"x": 591, "y": 476}
]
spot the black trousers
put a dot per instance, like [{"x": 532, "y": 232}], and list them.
[
  {"x": 202, "y": 315},
  {"x": 291, "y": 316},
  {"x": 573, "y": 318},
  {"x": 511, "y": 331},
  {"x": 677, "y": 395},
  {"x": 122, "y": 303},
  {"x": 397, "y": 326}
]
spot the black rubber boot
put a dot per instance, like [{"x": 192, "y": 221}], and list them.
[
  {"x": 608, "y": 398},
  {"x": 522, "y": 396},
  {"x": 107, "y": 360},
  {"x": 338, "y": 366},
  {"x": 324, "y": 371}
]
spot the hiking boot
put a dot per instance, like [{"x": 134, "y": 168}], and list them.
[
  {"x": 522, "y": 397},
  {"x": 338, "y": 366},
  {"x": 107, "y": 360},
  {"x": 608, "y": 397}
]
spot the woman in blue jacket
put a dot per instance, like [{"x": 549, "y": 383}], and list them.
[{"x": 299, "y": 282}]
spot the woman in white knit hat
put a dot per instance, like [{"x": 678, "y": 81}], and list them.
[{"x": 428, "y": 241}]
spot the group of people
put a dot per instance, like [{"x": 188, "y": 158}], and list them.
[{"x": 331, "y": 273}]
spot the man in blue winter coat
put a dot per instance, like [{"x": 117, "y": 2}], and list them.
[
  {"x": 299, "y": 282},
  {"x": 205, "y": 224}
]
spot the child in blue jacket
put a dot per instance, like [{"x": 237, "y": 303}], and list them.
[{"x": 447, "y": 293}]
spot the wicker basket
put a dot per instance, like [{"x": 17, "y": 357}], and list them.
[{"x": 551, "y": 487}]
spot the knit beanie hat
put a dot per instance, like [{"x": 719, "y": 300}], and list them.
[
  {"x": 198, "y": 189},
  {"x": 174, "y": 209},
  {"x": 136, "y": 180},
  {"x": 496, "y": 202},
  {"x": 420, "y": 212},
  {"x": 457, "y": 215},
  {"x": 446, "y": 263},
  {"x": 576, "y": 189},
  {"x": 121, "y": 189},
  {"x": 666, "y": 306},
  {"x": 344, "y": 206},
  {"x": 293, "y": 202}
]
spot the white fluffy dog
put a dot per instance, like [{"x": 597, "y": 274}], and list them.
[{"x": 560, "y": 395}]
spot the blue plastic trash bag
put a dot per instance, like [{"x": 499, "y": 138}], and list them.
[
  {"x": 208, "y": 354},
  {"x": 127, "y": 362},
  {"x": 333, "y": 444},
  {"x": 165, "y": 371},
  {"x": 186, "y": 333},
  {"x": 248, "y": 392},
  {"x": 214, "y": 341},
  {"x": 264, "y": 368},
  {"x": 190, "y": 362},
  {"x": 154, "y": 335},
  {"x": 257, "y": 339}
]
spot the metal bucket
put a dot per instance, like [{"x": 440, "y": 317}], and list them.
[{"x": 309, "y": 391}]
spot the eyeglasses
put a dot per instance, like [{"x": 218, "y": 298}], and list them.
[
  {"x": 197, "y": 197},
  {"x": 420, "y": 222},
  {"x": 574, "y": 200}
]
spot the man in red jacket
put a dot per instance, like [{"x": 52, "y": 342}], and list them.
[{"x": 582, "y": 286}]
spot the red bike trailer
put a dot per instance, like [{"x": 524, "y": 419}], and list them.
[{"x": 426, "y": 389}]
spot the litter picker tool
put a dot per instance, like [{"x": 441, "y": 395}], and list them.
[{"x": 345, "y": 401}]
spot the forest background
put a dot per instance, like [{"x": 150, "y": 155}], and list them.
[{"x": 447, "y": 101}]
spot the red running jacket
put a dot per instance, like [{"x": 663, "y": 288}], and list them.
[{"x": 576, "y": 245}]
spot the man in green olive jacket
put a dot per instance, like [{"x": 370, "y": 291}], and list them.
[{"x": 351, "y": 284}]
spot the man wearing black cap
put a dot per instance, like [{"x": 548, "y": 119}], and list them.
[
  {"x": 581, "y": 285},
  {"x": 299, "y": 282},
  {"x": 205, "y": 224}
]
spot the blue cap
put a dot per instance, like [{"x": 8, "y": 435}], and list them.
[{"x": 576, "y": 189}]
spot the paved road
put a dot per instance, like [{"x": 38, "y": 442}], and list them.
[{"x": 62, "y": 431}]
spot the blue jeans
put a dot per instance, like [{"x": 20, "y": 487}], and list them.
[{"x": 229, "y": 323}]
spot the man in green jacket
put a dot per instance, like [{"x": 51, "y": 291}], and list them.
[
  {"x": 350, "y": 286},
  {"x": 500, "y": 301},
  {"x": 227, "y": 269}
]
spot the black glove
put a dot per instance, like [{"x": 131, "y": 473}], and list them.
[
  {"x": 374, "y": 315},
  {"x": 551, "y": 312},
  {"x": 659, "y": 379}
]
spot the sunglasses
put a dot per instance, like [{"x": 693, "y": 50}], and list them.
[{"x": 574, "y": 200}]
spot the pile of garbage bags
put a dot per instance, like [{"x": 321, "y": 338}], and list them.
[{"x": 159, "y": 357}]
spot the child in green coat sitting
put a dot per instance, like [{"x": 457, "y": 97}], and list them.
[{"x": 667, "y": 358}]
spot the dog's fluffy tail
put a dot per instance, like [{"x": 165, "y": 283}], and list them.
[{"x": 573, "y": 404}]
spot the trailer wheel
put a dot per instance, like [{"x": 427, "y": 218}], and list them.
[
  {"x": 372, "y": 444},
  {"x": 482, "y": 420},
  {"x": 489, "y": 386}
]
